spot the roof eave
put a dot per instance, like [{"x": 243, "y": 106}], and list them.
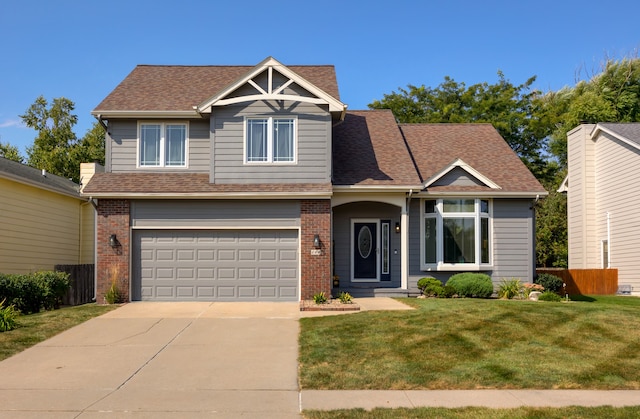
[
  {"x": 208, "y": 195},
  {"x": 106, "y": 114}
]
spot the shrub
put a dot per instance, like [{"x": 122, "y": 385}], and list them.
[
  {"x": 8, "y": 316},
  {"x": 431, "y": 287},
  {"x": 320, "y": 298},
  {"x": 510, "y": 288},
  {"x": 30, "y": 293},
  {"x": 345, "y": 298},
  {"x": 469, "y": 284},
  {"x": 549, "y": 282},
  {"x": 549, "y": 296},
  {"x": 449, "y": 291}
]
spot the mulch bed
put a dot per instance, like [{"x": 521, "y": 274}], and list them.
[{"x": 331, "y": 305}]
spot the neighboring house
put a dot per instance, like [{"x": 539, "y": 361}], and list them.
[
  {"x": 256, "y": 183},
  {"x": 604, "y": 228},
  {"x": 43, "y": 220}
]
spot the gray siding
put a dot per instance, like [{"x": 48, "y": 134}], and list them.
[
  {"x": 313, "y": 145},
  {"x": 512, "y": 243},
  {"x": 458, "y": 177},
  {"x": 215, "y": 214},
  {"x": 342, "y": 216},
  {"x": 122, "y": 146}
]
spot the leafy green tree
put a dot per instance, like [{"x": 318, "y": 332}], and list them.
[
  {"x": 51, "y": 148},
  {"x": 613, "y": 95},
  {"x": 90, "y": 148},
  {"x": 10, "y": 152}
]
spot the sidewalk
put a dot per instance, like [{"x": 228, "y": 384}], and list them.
[{"x": 496, "y": 399}]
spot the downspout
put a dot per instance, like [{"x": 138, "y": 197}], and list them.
[
  {"x": 94, "y": 204},
  {"x": 608, "y": 240}
]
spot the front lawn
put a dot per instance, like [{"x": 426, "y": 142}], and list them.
[
  {"x": 474, "y": 344},
  {"x": 34, "y": 328},
  {"x": 479, "y": 413}
]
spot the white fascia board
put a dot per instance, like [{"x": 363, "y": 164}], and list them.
[
  {"x": 596, "y": 131},
  {"x": 217, "y": 100},
  {"x": 146, "y": 114},
  {"x": 376, "y": 188},
  {"x": 464, "y": 166},
  {"x": 220, "y": 195},
  {"x": 257, "y": 97},
  {"x": 492, "y": 194}
]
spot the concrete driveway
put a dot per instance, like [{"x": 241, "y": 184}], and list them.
[{"x": 162, "y": 360}]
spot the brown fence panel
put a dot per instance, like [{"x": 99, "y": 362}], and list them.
[
  {"x": 586, "y": 281},
  {"x": 82, "y": 284}
]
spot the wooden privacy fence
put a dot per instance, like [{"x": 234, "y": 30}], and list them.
[
  {"x": 82, "y": 284},
  {"x": 586, "y": 281}
]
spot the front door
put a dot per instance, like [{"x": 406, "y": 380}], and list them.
[{"x": 365, "y": 250}]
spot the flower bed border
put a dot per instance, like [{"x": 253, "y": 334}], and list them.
[{"x": 331, "y": 305}]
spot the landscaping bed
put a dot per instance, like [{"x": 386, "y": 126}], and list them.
[{"x": 331, "y": 305}]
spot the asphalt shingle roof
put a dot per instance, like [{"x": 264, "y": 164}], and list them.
[
  {"x": 10, "y": 169},
  {"x": 631, "y": 131},
  {"x": 179, "y": 88}
]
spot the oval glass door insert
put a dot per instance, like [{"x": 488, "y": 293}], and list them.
[{"x": 364, "y": 242}]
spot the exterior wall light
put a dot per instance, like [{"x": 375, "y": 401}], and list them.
[
  {"x": 316, "y": 241},
  {"x": 397, "y": 227},
  {"x": 113, "y": 241}
]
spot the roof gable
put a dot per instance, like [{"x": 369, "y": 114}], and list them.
[
  {"x": 461, "y": 174},
  {"x": 161, "y": 90},
  {"x": 628, "y": 133},
  {"x": 270, "y": 80},
  {"x": 477, "y": 148}
]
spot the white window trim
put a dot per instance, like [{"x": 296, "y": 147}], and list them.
[
  {"x": 439, "y": 216},
  {"x": 269, "y": 160},
  {"x": 163, "y": 125}
]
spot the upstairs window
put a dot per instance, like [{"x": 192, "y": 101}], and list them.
[
  {"x": 270, "y": 140},
  {"x": 456, "y": 233},
  {"x": 163, "y": 145}
]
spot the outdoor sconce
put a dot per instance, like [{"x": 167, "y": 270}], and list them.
[
  {"x": 316, "y": 241},
  {"x": 397, "y": 228},
  {"x": 113, "y": 241}
]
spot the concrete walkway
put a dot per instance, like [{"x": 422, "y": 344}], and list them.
[{"x": 223, "y": 360}]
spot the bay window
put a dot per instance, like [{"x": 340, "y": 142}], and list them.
[
  {"x": 162, "y": 145},
  {"x": 456, "y": 233},
  {"x": 270, "y": 140}
]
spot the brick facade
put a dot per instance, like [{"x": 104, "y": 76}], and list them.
[
  {"x": 112, "y": 263},
  {"x": 315, "y": 218}
]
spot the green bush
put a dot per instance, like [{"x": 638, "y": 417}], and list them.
[
  {"x": 470, "y": 284},
  {"x": 549, "y": 282},
  {"x": 431, "y": 287},
  {"x": 549, "y": 296},
  {"x": 320, "y": 298},
  {"x": 30, "y": 293},
  {"x": 510, "y": 288},
  {"x": 8, "y": 316},
  {"x": 345, "y": 298},
  {"x": 449, "y": 291}
]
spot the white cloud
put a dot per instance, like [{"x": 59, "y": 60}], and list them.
[{"x": 10, "y": 123}]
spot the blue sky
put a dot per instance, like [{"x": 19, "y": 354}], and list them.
[{"x": 82, "y": 49}]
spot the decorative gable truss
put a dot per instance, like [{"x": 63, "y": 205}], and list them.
[
  {"x": 461, "y": 174},
  {"x": 272, "y": 81}
]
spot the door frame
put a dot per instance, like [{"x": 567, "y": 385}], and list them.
[{"x": 377, "y": 249}]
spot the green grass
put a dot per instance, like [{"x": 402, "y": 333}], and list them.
[
  {"x": 480, "y": 413},
  {"x": 34, "y": 328},
  {"x": 475, "y": 344}
]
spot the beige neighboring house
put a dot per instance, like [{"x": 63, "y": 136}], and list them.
[
  {"x": 43, "y": 220},
  {"x": 603, "y": 192}
]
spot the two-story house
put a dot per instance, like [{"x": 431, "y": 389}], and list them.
[{"x": 228, "y": 183}]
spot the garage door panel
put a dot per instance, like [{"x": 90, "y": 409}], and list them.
[{"x": 216, "y": 265}]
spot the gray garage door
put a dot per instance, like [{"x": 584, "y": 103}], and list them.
[{"x": 215, "y": 265}]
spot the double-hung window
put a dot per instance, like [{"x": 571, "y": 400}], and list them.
[
  {"x": 163, "y": 145},
  {"x": 456, "y": 233},
  {"x": 270, "y": 140}
]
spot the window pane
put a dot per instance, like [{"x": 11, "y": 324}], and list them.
[
  {"x": 484, "y": 236},
  {"x": 430, "y": 240},
  {"x": 484, "y": 206},
  {"x": 283, "y": 140},
  {"x": 256, "y": 140},
  {"x": 459, "y": 240},
  {"x": 385, "y": 248},
  {"x": 458, "y": 205},
  {"x": 149, "y": 145},
  {"x": 430, "y": 206},
  {"x": 175, "y": 145}
]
